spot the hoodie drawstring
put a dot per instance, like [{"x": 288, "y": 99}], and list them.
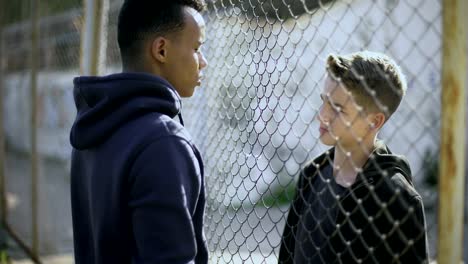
[{"x": 181, "y": 120}]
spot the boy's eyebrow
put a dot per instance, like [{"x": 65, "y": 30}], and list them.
[{"x": 327, "y": 98}]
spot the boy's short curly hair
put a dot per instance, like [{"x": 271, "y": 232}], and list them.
[
  {"x": 375, "y": 80},
  {"x": 142, "y": 19}
]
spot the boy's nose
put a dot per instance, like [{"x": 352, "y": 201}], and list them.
[
  {"x": 203, "y": 62},
  {"x": 322, "y": 116}
]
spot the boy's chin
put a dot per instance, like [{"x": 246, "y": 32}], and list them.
[{"x": 327, "y": 141}]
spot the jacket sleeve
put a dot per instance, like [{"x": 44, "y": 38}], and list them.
[
  {"x": 164, "y": 188},
  {"x": 407, "y": 236},
  {"x": 414, "y": 229}
]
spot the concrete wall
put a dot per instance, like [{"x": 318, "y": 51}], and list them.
[{"x": 56, "y": 112}]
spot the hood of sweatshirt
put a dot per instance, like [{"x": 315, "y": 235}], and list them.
[
  {"x": 106, "y": 103},
  {"x": 381, "y": 162}
]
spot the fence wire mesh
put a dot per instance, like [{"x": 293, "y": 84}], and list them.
[
  {"x": 255, "y": 118},
  {"x": 256, "y": 115}
]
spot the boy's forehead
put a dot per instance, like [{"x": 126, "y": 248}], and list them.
[
  {"x": 197, "y": 20},
  {"x": 335, "y": 89},
  {"x": 337, "y": 93},
  {"x": 196, "y": 16}
]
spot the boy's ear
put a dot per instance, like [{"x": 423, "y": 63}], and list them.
[
  {"x": 377, "y": 121},
  {"x": 159, "y": 48}
]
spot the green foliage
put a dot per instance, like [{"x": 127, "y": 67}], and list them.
[
  {"x": 278, "y": 196},
  {"x": 4, "y": 258}
]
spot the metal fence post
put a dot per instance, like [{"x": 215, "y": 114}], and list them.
[
  {"x": 452, "y": 169},
  {"x": 94, "y": 40},
  {"x": 35, "y": 28},
  {"x": 3, "y": 206}
]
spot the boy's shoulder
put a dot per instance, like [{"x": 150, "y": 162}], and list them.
[
  {"x": 401, "y": 185},
  {"x": 382, "y": 161},
  {"x": 394, "y": 169},
  {"x": 318, "y": 163},
  {"x": 157, "y": 125}
]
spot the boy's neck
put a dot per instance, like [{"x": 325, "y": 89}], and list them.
[{"x": 347, "y": 162}]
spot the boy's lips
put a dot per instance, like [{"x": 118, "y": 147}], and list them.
[
  {"x": 323, "y": 130},
  {"x": 200, "y": 79}
]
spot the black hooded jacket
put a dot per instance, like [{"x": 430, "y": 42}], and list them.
[
  {"x": 137, "y": 186},
  {"x": 380, "y": 220}
]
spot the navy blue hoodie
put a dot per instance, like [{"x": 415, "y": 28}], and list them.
[{"x": 137, "y": 185}]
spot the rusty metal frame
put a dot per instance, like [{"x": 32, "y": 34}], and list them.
[
  {"x": 35, "y": 31},
  {"x": 33, "y": 252},
  {"x": 94, "y": 40},
  {"x": 92, "y": 58},
  {"x": 3, "y": 206},
  {"x": 453, "y": 126}
]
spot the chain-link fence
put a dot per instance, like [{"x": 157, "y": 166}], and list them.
[
  {"x": 255, "y": 120},
  {"x": 262, "y": 97}
]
